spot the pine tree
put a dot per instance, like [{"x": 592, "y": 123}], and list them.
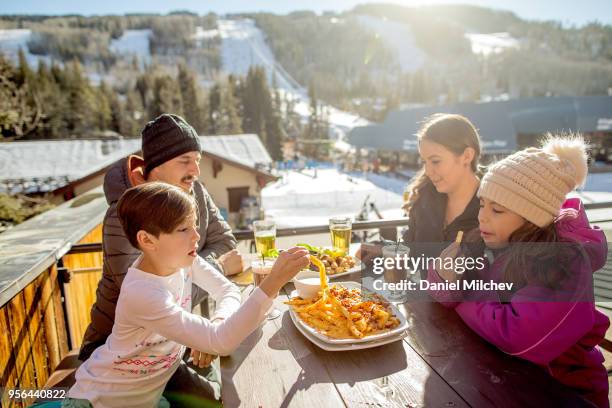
[
  {"x": 24, "y": 73},
  {"x": 274, "y": 124},
  {"x": 214, "y": 109},
  {"x": 166, "y": 97},
  {"x": 275, "y": 136},
  {"x": 54, "y": 102},
  {"x": 117, "y": 111},
  {"x": 103, "y": 112},
  {"x": 204, "y": 114},
  {"x": 229, "y": 121},
  {"x": 313, "y": 120},
  {"x": 256, "y": 97},
  {"x": 134, "y": 115},
  {"x": 144, "y": 85},
  {"x": 189, "y": 94},
  {"x": 317, "y": 128},
  {"x": 82, "y": 117},
  {"x": 237, "y": 87},
  {"x": 293, "y": 122}
]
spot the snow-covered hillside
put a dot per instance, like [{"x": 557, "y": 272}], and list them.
[
  {"x": 133, "y": 43},
  {"x": 398, "y": 38},
  {"x": 494, "y": 43},
  {"x": 12, "y": 40},
  {"x": 243, "y": 44}
]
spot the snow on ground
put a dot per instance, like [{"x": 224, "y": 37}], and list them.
[
  {"x": 494, "y": 43},
  {"x": 72, "y": 159},
  {"x": 11, "y": 40},
  {"x": 301, "y": 199},
  {"x": 399, "y": 39},
  {"x": 133, "y": 43},
  {"x": 202, "y": 34},
  {"x": 243, "y": 45}
]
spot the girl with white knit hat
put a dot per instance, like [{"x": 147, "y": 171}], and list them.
[{"x": 542, "y": 243}]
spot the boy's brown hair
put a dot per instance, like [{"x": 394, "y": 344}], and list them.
[{"x": 154, "y": 207}]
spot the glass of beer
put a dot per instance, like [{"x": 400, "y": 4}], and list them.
[
  {"x": 265, "y": 236},
  {"x": 396, "y": 273},
  {"x": 262, "y": 268},
  {"x": 340, "y": 230}
]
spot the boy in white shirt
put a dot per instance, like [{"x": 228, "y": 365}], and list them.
[{"x": 153, "y": 324}]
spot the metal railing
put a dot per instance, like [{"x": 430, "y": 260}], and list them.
[{"x": 243, "y": 235}]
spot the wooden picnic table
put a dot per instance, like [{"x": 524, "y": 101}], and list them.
[{"x": 441, "y": 363}]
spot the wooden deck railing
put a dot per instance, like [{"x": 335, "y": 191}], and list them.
[
  {"x": 45, "y": 320},
  {"x": 42, "y": 316}
]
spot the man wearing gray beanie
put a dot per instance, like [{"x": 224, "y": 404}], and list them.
[{"x": 171, "y": 153}]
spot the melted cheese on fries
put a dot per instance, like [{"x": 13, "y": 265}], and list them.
[{"x": 343, "y": 313}]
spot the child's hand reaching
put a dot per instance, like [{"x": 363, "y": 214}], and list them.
[
  {"x": 201, "y": 359},
  {"x": 287, "y": 265}
]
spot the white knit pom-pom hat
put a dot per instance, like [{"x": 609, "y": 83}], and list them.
[{"x": 534, "y": 182}]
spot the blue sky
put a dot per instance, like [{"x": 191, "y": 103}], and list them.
[{"x": 567, "y": 11}]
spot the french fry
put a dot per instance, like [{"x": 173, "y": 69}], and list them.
[
  {"x": 317, "y": 262},
  {"x": 459, "y": 237},
  {"x": 297, "y": 301}
]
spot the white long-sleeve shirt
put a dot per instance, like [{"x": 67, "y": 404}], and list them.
[{"x": 153, "y": 326}]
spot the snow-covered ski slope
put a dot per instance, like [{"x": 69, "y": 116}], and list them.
[
  {"x": 243, "y": 45},
  {"x": 398, "y": 38}
]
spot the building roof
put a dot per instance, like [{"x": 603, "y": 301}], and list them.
[
  {"x": 51, "y": 164},
  {"x": 47, "y": 165},
  {"x": 498, "y": 122},
  {"x": 245, "y": 149}
]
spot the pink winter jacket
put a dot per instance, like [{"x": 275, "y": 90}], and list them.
[{"x": 562, "y": 336}]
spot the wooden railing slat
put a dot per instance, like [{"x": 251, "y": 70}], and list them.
[
  {"x": 60, "y": 323},
  {"x": 51, "y": 335},
  {"x": 8, "y": 371},
  {"x": 32, "y": 297},
  {"x": 18, "y": 324},
  {"x": 80, "y": 292}
]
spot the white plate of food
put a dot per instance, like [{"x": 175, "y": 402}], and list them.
[
  {"x": 344, "y": 347},
  {"x": 372, "y": 318}
]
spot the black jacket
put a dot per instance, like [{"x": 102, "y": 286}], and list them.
[{"x": 426, "y": 234}]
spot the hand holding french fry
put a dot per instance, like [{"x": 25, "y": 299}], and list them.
[
  {"x": 452, "y": 252},
  {"x": 286, "y": 266}
]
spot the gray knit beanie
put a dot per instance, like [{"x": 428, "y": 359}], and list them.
[{"x": 165, "y": 138}]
